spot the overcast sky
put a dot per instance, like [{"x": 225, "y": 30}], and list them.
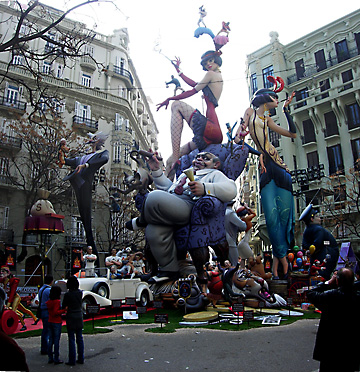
[{"x": 174, "y": 23}]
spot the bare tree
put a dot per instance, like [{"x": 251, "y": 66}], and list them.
[
  {"x": 64, "y": 41},
  {"x": 36, "y": 167},
  {"x": 37, "y": 36},
  {"x": 121, "y": 208}
]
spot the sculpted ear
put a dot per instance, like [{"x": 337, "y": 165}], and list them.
[{"x": 217, "y": 164}]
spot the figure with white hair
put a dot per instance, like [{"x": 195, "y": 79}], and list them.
[{"x": 81, "y": 179}]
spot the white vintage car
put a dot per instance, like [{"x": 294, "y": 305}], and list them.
[{"x": 103, "y": 290}]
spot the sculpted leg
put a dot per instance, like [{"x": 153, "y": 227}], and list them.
[{"x": 180, "y": 111}]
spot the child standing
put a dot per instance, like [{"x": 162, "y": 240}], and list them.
[{"x": 55, "y": 323}]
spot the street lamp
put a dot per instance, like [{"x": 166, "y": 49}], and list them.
[{"x": 304, "y": 176}]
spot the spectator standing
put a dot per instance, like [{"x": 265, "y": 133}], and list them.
[
  {"x": 74, "y": 321},
  {"x": 339, "y": 302},
  {"x": 43, "y": 313},
  {"x": 55, "y": 324}
]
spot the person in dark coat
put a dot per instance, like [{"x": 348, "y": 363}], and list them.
[
  {"x": 74, "y": 321},
  {"x": 339, "y": 301},
  {"x": 325, "y": 244},
  {"x": 81, "y": 180}
]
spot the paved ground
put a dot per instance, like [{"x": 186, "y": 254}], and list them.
[{"x": 129, "y": 348}]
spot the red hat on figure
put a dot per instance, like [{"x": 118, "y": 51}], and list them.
[{"x": 4, "y": 267}]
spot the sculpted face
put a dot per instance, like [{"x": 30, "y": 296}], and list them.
[
  {"x": 316, "y": 220},
  {"x": 274, "y": 103},
  {"x": 205, "y": 160},
  {"x": 210, "y": 65},
  {"x": 4, "y": 273}
]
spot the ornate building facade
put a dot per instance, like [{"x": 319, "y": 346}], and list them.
[
  {"x": 99, "y": 91},
  {"x": 322, "y": 68}
]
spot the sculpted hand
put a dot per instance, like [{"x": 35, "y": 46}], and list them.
[
  {"x": 165, "y": 103},
  {"x": 153, "y": 163},
  {"x": 289, "y": 99},
  {"x": 196, "y": 188},
  {"x": 79, "y": 167},
  {"x": 176, "y": 63}
]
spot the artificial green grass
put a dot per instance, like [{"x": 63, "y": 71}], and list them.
[{"x": 174, "y": 317}]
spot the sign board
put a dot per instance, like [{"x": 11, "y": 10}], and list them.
[
  {"x": 130, "y": 315},
  {"x": 141, "y": 309},
  {"x": 237, "y": 307},
  {"x": 10, "y": 256},
  {"x": 161, "y": 318},
  {"x": 27, "y": 290},
  {"x": 157, "y": 304},
  {"x": 92, "y": 309},
  {"x": 116, "y": 303},
  {"x": 248, "y": 315},
  {"x": 130, "y": 301}
]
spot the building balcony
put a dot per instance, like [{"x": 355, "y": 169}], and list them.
[
  {"x": 140, "y": 108},
  {"x": 18, "y": 106},
  {"x": 10, "y": 142},
  {"x": 120, "y": 73},
  {"x": 145, "y": 120},
  {"x": 87, "y": 62},
  {"x": 85, "y": 124},
  {"x": 333, "y": 61}
]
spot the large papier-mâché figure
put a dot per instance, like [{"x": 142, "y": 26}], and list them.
[
  {"x": 275, "y": 179},
  {"x": 82, "y": 177},
  {"x": 206, "y": 127},
  {"x": 170, "y": 207},
  {"x": 326, "y": 248},
  {"x": 243, "y": 284}
]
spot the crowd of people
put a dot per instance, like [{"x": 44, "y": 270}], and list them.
[
  {"x": 51, "y": 311},
  {"x": 125, "y": 263},
  {"x": 122, "y": 263}
]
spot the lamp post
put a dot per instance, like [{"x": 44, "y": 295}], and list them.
[{"x": 304, "y": 176}]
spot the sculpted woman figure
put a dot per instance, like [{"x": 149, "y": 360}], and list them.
[
  {"x": 206, "y": 128},
  {"x": 275, "y": 179}
]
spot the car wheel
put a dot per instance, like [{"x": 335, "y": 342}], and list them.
[
  {"x": 101, "y": 289},
  {"x": 86, "y": 301},
  {"x": 144, "y": 298}
]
